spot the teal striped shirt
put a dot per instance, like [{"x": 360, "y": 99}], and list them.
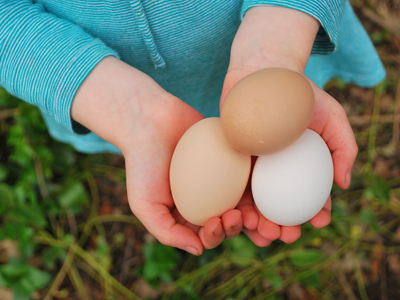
[{"x": 48, "y": 47}]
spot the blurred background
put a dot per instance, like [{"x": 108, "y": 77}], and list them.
[{"x": 66, "y": 230}]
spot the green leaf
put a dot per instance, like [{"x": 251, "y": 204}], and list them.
[
  {"x": 118, "y": 238},
  {"x": 102, "y": 252},
  {"x": 312, "y": 281},
  {"x": 151, "y": 270},
  {"x": 303, "y": 257},
  {"x": 28, "y": 215},
  {"x": 23, "y": 278},
  {"x": 73, "y": 197},
  {"x": 50, "y": 207},
  {"x": 37, "y": 278},
  {"x": 243, "y": 251},
  {"x": 160, "y": 261},
  {"x": 7, "y": 198},
  {"x": 3, "y": 281},
  {"x": 21, "y": 292},
  {"x": 340, "y": 83},
  {"x": 379, "y": 36},
  {"x": 69, "y": 238},
  {"x": 3, "y": 172},
  {"x": 378, "y": 189},
  {"x": 368, "y": 217},
  {"x": 51, "y": 255},
  {"x": 64, "y": 158},
  {"x": 26, "y": 245},
  {"x": 242, "y": 246},
  {"x": 4, "y": 97},
  {"x": 11, "y": 273},
  {"x": 22, "y": 152},
  {"x": 274, "y": 279}
]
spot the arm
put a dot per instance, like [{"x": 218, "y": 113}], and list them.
[
  {"x": 328, "y": 13},
  {"x": 280, "y": 37},
  {"x": 75, "y": 78},
  {"x": 130, "y": 110},
  {"x": 44, "y": 59}
]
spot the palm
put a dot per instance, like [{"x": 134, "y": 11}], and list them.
[
  {"x": 330, "y": 121},
  {"x": 147, "y": 169}
]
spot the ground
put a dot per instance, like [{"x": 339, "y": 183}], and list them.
[{"x": 67, "y": 220}]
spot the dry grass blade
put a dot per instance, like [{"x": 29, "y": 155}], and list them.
[
  {"x": 84, "y": 255},
  {"x": 345, "y": 285},
  {"x": 61, "y": 274},
  {"x": 373, "y": 130},
  {"x": 77, "y": 282},
  {"x": 7, "y": 113},
  {"x": 366, "y": 119},
  {"x": 384, "y": 17},
  {"x": 396, "y": 121},
  {"x": 359, "y": 277}
]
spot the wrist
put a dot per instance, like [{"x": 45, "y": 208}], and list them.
[
  {"x": 127, "y": 108},
  {"x": 113, "y": 100},
  {"x": 272, "y": 36}
]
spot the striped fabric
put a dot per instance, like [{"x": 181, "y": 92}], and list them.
[
  {"x": 44, "y": 59},
  {"x": 48, "y": 47},
  {"x": 148, "y": 39}
]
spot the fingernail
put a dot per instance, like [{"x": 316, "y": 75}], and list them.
[
  {"x": 348, "y": 178},
  {"x": 219, "y": 231},
  {"x": 237, "y": 225},
  {"x": 192, "y": 250}
]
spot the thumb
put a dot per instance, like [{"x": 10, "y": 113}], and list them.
[
  {"x": 331, "y": 122},
  {"x": 158, "y": 220}
]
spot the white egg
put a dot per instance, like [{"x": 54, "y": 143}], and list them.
[{"x": 291, "y": 186}]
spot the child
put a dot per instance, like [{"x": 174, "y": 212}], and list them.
[{"x": 132, "y": 76}]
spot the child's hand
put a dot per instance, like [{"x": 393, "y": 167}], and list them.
[
  {"x": 281, "y": 37},
  {"x": 330, "y": 121},
  {"x": 130, "y": 110},
  {"x": 149, "y": 194}
]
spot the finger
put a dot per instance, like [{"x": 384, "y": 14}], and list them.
[
  {"x": 290, "y": 234},
  {"x": 256, "y": 238},
  {"x": 343, "y": 161},
  {"x": 268, "y": 229},
  {"x": 232, "y": 223},
  {"x": 158, "y": 220},
  {"x": 331, "y": 122},
  {"x": 249, "y": 212},
  {"x": 212, "y": 234},
  {"x": 323, "y": 218}
]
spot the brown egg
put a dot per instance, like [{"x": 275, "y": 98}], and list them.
[
  {"x": 267, "y": 111},
  {"x": 207, "y": 176}
]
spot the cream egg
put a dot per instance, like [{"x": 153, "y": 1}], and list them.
[
  {"x": 207, "y": 176},
  {"x": 292, "y": 185}
]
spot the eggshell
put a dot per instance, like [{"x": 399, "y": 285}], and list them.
[
  {"x": 207, "y": 176},
  {"x": 291, "y": 186},
  {"x": 267, "y": 110}
]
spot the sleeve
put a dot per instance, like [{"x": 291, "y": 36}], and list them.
[
  {"x": 45, "y": 59},
  {"x": 327, "y": 12}
]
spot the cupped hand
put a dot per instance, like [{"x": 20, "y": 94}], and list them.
[
  {"x": 330, "y": 121},
  {"x": 272, "y": 36},
  {"x": 149, "y": 194},
  {"x": 131, "y": 111}
]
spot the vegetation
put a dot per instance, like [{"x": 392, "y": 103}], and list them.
[{"x": 66, "y": 231}]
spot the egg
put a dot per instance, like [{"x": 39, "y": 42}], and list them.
[
  {"x": 207, "y": 176},
  {"x": 292, "y": 185},
  {"x": 267, "y": 110}
]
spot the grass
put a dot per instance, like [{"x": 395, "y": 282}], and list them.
[{"x": 66, "y": 231}]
